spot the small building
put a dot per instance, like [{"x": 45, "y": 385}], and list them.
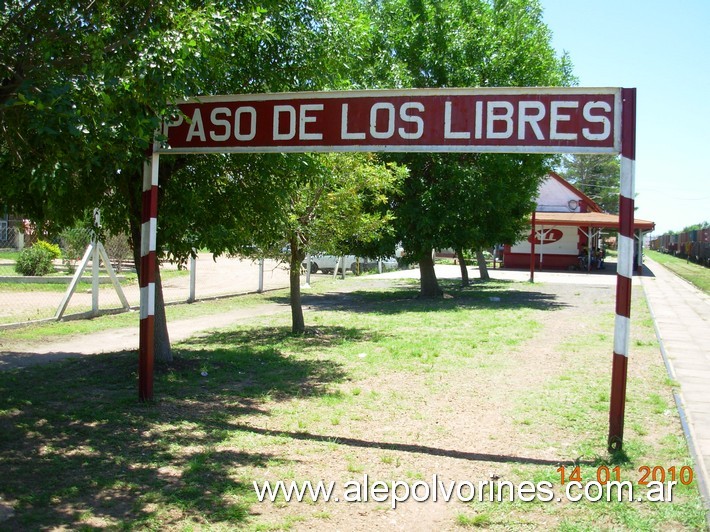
[
  {"x": 567, "y": 225},
  {"x": 12, "y": 230}
]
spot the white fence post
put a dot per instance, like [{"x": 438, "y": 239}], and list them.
[
  {"x": 95, "y": 278},
  {"x": 193, "y": 274},
  {"x": 308, "y": 271},
  {"x": 261, "y": 276}
]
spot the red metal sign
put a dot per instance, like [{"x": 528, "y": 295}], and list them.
[{"x": 549, "y": 120}]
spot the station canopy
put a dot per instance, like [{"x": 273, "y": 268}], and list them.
[{"x": 588, "y": 219}]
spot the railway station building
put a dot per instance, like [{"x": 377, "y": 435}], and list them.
[{"x": 567, "y": 225}]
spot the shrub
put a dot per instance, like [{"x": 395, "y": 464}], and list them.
[
  {"x": 34, "y": 261},
  {"x": 53, "y": 249}
]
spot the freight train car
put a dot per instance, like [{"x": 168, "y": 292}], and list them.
[{"x": 690, "y": 245}]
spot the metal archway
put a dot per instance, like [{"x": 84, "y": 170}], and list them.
[{"x": 501, "y": 120}]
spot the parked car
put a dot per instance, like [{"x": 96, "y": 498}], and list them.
[
  {"x": 327, "y": 263},
  {"x": 388, "y": 264}
]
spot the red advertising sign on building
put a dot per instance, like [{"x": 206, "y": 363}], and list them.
[{"x": 445, "y": 120}]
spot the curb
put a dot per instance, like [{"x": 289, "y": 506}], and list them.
[{"x": 703, "y": 478}]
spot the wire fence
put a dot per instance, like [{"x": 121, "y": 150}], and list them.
[{"x": 24, "y": 299}]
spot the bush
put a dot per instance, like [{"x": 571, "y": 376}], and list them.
[
  {"x": 34, "y": 261},
  {"x": 53, "y": 249}
]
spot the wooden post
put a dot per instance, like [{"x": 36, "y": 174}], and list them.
[
  {"x": 95, "y": 277},
  {"x": 308, "y": 271}
]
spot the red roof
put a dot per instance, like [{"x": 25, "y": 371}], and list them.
[{"x": 588, "y": 219}]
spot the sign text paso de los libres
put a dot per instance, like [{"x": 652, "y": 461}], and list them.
[{"x": 476, "y": 120}]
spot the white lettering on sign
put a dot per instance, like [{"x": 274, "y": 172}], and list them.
[
  {"x": 344, "y": 133},
  {"x": 506, "y": 117},
  {"x": 531, "y": 119},
  {"x": 556, "y": 117},
  {"x": 245, "y": 137},
  {"x": 220, "y": 127},
  {"x": 196, "y": 128},
  {"x": 386, "y": 134},
  {"x": 448, "y": 132},
  {"x": 291, "y": 131},
  {"x": 304, "y": 119},
  {"x": 479, "y": 121},
  {"x": 220, "y": 122},
  {"x": 596, "y": 119},
  {"x": 489, "y": 120},
  {"x": 413, "y": 119}
]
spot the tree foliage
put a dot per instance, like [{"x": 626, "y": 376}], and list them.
[
  {"x": 598, "y": 176},
  {"x": 464, "y": 201},
  {"x": 336, "y": 208},
  {"x": 696, "y": 227},
  {"x": 84, "y": 85}
]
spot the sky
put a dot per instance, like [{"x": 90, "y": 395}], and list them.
[{"x": 663, "y": 50}]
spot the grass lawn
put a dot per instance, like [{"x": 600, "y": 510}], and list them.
[
  {"x": 63, "y": 329},
  {"x": 691, "y": 272},
  {"x": 9, "y": 255},
  {"x": 500, "y": 380},
  {"x": 126, "y": 278}
]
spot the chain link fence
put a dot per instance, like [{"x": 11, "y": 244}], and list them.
[{"x": 24, "y": 299}]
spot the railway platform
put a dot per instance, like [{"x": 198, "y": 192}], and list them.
[{"x": 681, "y": 314}]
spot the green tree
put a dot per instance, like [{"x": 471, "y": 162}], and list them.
[
  {"x": 598, "y": 176},
  {"x": 501, "y": 198},
  {"x": 463, "y": 200},
  {"x": 696, "y": 227},
  {"x": 335, "y": 209},
  {"x": 85, "y": 84}
]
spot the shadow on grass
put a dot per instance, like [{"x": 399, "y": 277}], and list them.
[
  {"x": 251, "y": 362},
  {"x": 618, "y": 457},
  {"x": 478, "y": 295},
  {"x": 410, "y": 448},
  {"x": 78, "y": 450}
]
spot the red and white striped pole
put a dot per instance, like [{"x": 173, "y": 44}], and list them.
[
  {"x": 624, "y": 272},
  {"x": 533, "y": 235},
  {"x": 149, "y": 227}
]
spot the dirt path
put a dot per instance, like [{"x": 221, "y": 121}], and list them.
[
  {"x": 458, "y": 426},
  {"x": 126, "y": 339},
  {"x": 213, "y": 278}
]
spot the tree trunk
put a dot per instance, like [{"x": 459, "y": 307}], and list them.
[
  {"x": 428, "y": 285},
  {"x": 464, "y": 269},
  {"x": 482, "y": 265},
  {"x": 298, "y": 325},
  {"x": 161, "y": 339}
]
